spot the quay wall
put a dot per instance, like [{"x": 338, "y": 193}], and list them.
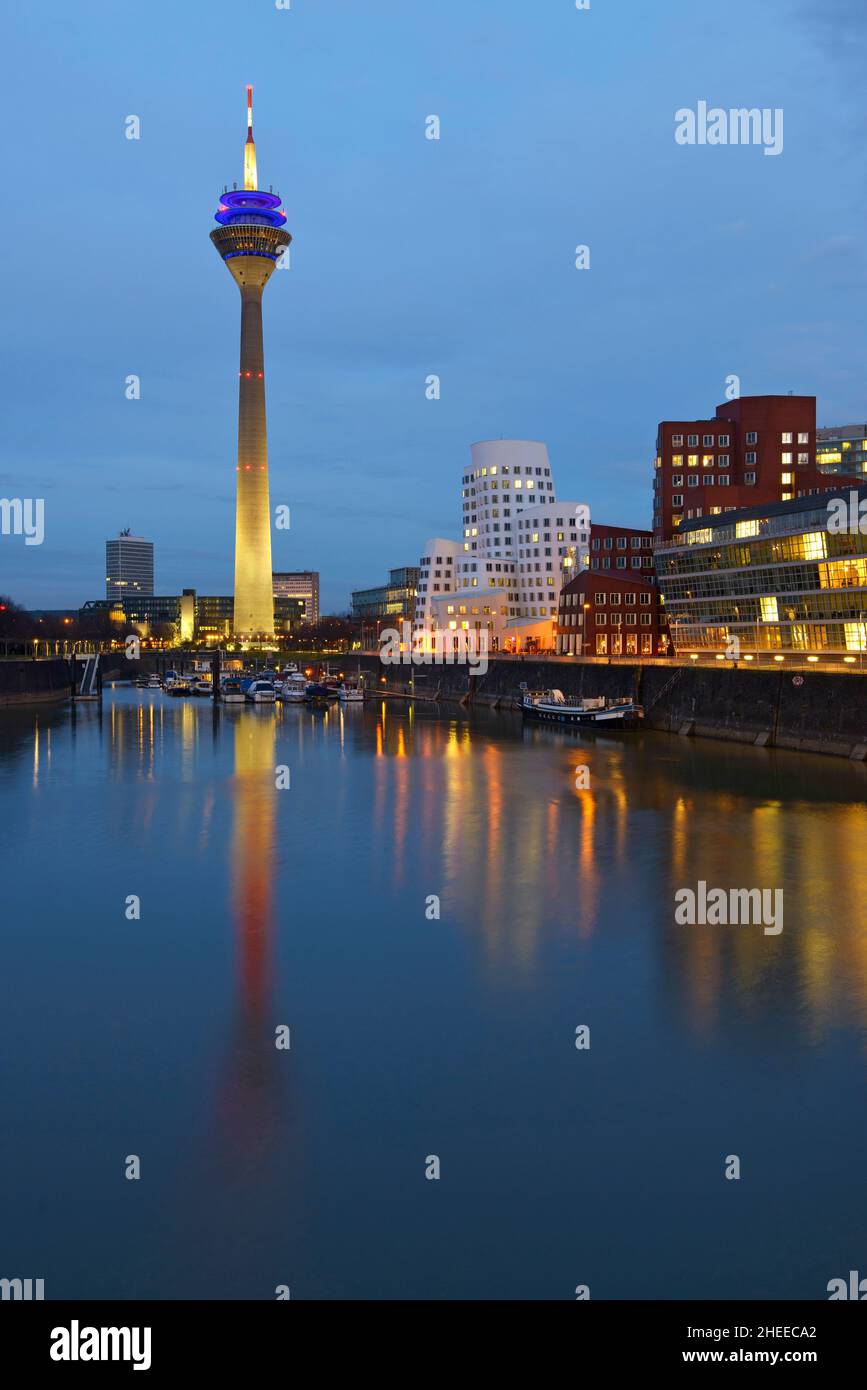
[
  {"x": 810, "y": 711},
  {"x": 28, "y": 682}
]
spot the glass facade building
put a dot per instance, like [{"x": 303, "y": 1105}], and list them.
[
  {"x": 781, "y": 579},
  {"x": 842, "y": 449}
]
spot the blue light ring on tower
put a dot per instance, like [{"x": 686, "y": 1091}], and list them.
[{"x": 242, "y": 204}]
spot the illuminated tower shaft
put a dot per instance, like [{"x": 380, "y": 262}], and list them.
[{"x": 250, "y": 240}]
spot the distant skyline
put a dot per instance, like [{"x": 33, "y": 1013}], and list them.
[{"x": 410, "y": 257}]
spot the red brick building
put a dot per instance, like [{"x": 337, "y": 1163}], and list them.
[
  {"x": 609, "y": 614},
  {"x": 756, "y": 450},
  {"x": 621, "y": 548}
]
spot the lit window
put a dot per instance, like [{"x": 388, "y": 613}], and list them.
[
  {"x": 769, "y": 609},
  {"x": 692, "y": 460}
]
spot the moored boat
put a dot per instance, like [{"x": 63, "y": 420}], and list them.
[
  {"x": 261, "y": 692},
  {"x": 232, "y": 693},
  {"x": 294, "y": 689},
  {"x": 351, "y": 692},
  {"x": 179, "y": 686},
  {"x": 553, "y": 707}
]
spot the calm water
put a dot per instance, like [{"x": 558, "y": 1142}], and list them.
[{"x": 412, "y": 1037}]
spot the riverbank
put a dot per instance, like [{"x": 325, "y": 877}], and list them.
[
  {"x": 32, "y": 682},
  {"x": 813, "y": 712}
]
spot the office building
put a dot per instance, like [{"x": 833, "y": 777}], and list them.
[{"x": 129, "y": 567}]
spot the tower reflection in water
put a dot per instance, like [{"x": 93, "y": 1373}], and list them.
[{"x": 249, "y": 1100}]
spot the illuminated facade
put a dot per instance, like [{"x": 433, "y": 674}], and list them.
[
  {"x": 250, "y": 239},
  {"x": 755, "y": 451},
  {"x": 609, "y": 614},
  {"x": 842, "y": 449},
  {"x": 780, "y": 579},
  {"x": 299, "y": 584},
  {"x": 504, "y": 577}
]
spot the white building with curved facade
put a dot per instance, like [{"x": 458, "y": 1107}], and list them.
[{"x": 506, "y": 572}]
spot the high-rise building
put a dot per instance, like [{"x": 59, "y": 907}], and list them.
[
  {"x": 842, "y": 449},
  {"x": 508, "y": 567},
  {"x": 756, "y": 450},
  {"x": 299, "y": 584},
  {"x": 129, "y": 567},
  {"x": 251, "y": 239}
]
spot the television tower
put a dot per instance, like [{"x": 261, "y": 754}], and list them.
[{"x": 251, "y": 239}]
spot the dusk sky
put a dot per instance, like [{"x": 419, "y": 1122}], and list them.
[{"x": 410, "y": 257}]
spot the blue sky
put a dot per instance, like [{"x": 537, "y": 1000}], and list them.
[{"x": 410, "y": 257}]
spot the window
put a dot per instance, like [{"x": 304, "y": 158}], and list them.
[
  {"x": 616, "y": 619},
  {"x": 692, "y": 460},
  {"x": 677, "y": 440},
  {"x": 724, "y": 460},
  {"x": 752, "y": 437},
  {"x": 803, "y": 438},
  {"x": 621, "y": 562},
  {"x": 787, "y": 437},
  {"x": 786, "y": 479},
  {"x": 786, "y": 459},
  {"x": 724, "y": 441},
  {"x": 615, "y": 598},
  {"x": 692, "y": 441},
  {"x": 601, "y": 644},
  {"x": 599, "y": 598},
  {"x": 751, "y": 458},
  {"x": 631, "y": 619},
  {"x": 708, "y": 479},
  {"x": 803, "y": 459},
  {"x": 693, "y": 480},
  {"x": 644, "y": 598},
  {"x": 608, "y": 543},
  {"x": 677, "y": 460},
  {"x": 707, "y": 441},
  {"x": 707, "y": 460},
  {"x": 677, "y": 480},
  {"x": 677, "y": 499},
  {"x": 723, "y": 480},
  {"x": 646, "y": 619}
]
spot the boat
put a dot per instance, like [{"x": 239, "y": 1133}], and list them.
[
  {"x": 260, "y": 692},
  {"x": 169, "y": 679},
  {"x": 553, "y": 707},
  {"x": 317, "y": 693},
  {"x": 232, "y": 693},
  {"x": 179, "y": 686},
  {"x": 153, "y": 683},
  {"x": 294, "y": 689},
  {"x": 351, "y": 692},
  {"x": 201, "y": 687}
]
